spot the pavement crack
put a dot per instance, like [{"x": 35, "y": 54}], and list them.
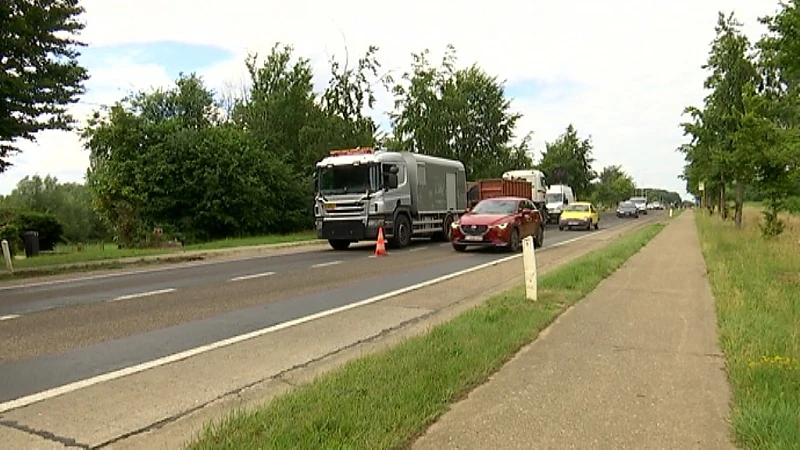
[{"x": 44, "y": 434}]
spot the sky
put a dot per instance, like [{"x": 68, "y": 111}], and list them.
[{"x": 620, "y": 71}]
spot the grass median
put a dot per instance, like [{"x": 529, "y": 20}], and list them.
[
  {"x": 386, "y": 399},
  {"x": 67, "y": 258},
  {"x": 756, "y": 283}
]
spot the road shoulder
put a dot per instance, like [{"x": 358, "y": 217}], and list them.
[{"x": 636, "y": 364}]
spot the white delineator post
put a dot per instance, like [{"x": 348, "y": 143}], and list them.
[
  {"x": 670, "y": 212},
  {"x": 7, "y": 256},
  {"x": 529, "y": 263}
]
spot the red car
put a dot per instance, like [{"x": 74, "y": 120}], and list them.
[{"x": 498, "y": 222}]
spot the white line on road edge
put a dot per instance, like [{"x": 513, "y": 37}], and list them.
[
  {"x": 416, "y": 249},
  {"x": 81, "y": 384},
  {"x": 141, "y": 294},
  {"x": 326, "y": 264},
  {"x": 250, "y": 277},
  {"x": 9, "y": 317}
]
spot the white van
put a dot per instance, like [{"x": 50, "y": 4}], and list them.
[
  {"x": 558, "y": 195},
  {"x": 641, "y": 204}
]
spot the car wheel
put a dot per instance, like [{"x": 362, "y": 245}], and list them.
[
  {"x": 459, "y": 247},
  {"x": 539, "y": 240},
  {"x": 589, "y": 225},
  {"x": 597, "y": 225},
  {"x": 560, "y": 228},
  {"x": 514, "y": 242}
]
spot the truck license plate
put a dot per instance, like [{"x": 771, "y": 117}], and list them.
[{"x": 473, "y": 238}]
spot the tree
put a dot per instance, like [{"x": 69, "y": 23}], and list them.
[
  {"x": 613, "y": 186},
  {"x": 568, "y": 160},
  {"x": 40, "y": 74},
  {"x": 460, "y": 114}
]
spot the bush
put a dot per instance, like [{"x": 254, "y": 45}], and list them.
[{"x": 50, "y": 230}]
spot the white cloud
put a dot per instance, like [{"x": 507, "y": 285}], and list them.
[{"x": 631, "y": 65}]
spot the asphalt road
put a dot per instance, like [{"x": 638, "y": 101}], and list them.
[{"x": 54, "y": 334}]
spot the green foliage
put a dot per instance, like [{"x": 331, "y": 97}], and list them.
[
  {"x": 39, "y": 36},
  {"x": 568, "y": 160},
  {"x": 746, "y": 135},
  {"x": 454, "y": 113},
  {"x": 70, "y": 203},
  {"x": 17, "y": 222},
  {"x": 614, "y": 186}
]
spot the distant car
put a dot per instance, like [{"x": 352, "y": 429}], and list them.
[
  {"x": 627, "y": 209},
  {"x": 579, "y": 214},
  {"x": 498, "y": 222}
]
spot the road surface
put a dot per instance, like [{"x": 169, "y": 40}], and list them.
[{"x": 58, "y": 333}]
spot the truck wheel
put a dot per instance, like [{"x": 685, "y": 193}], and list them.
[
  {"x": 444, "y": 235},
  {"x": 402, "y": 232},
  {"x": 339, "y": 244}
]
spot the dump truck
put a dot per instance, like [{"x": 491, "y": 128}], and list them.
[
  {"x": 506, "y": 186},
  {"x": 363, "y": 190}
]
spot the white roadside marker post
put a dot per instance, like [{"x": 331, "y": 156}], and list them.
[
  {"x": 7, "y": 256},
  {"x": 529, "y": 264}
]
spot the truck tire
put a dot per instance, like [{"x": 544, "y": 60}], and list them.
[
  {"x": 339, "y": 244},
  {"x": 402, "y": 232}
]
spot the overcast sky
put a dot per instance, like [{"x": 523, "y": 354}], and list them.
[{"x": 620, "y": 70}]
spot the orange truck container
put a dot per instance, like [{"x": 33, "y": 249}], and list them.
[{"x": 497, "y": 187}]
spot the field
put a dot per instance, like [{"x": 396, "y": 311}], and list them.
[
  {"x": 756, "y": 283},
  {"x": 386, "y": 399},
  {"x": 69, "y": 254}
]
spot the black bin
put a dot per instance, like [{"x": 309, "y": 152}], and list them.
[{"x": 31, "y": 239}]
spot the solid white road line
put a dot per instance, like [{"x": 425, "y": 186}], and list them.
[
  {"x": 77, "y": 385},
  {"x": 141, "y": 294},
  {"x": 250, "y": 277},
  {"x": 9, "y": 317},
  {"x": 326, "y": 264},
  {"x": 416, "y": 249}
]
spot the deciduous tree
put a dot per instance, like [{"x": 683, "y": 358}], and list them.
[
  {"x": 568, "y": 160},
  {"x": 39, "y": 72}
]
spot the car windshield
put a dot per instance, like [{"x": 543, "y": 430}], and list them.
[
  {"x": 346, "y": 179},
  {"x": 638, "y": 200},
  {"x": 579, "y": 208},
  {"x": 496, "y": 207}
]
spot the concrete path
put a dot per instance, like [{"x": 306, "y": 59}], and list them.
[{"x": 635, "y": 365}]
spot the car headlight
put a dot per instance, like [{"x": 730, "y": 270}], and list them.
[
  {"x": 455, "y": 224},
  {"x": 502, "y": 226}
]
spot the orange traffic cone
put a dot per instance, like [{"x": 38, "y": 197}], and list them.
[{"x": 380, "y": 248}]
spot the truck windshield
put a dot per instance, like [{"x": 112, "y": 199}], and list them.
[
  {"x": 554, "y": 198},
  {"x": 347, "y": 179}
]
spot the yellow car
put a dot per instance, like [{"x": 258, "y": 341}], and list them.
[{"x": 579, "y": 215}]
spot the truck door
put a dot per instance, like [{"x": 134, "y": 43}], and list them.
[{"x": 451, "y": 190}]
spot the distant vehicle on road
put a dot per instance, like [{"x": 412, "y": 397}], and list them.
[
  {"x": 558, "y": 196},
  {"x": 641, "y": 204},
  {"x": 627, "y": 209},
  {"x": 499, "y": 222},
  {"x": 359, "y": 191},
  {"x": 579, "y": 214}
]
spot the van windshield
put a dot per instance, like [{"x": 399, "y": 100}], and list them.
[{"x": 554, "y": 197}]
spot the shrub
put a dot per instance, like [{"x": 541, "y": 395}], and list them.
[{"x": 50, "y": 230}]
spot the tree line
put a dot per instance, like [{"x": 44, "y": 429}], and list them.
[
  {"x": 744, "y": 138},
  {"x": 201, "y": 165}
]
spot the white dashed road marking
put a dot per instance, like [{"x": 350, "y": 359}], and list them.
[
  {"x": 9, "y": 317},
  {"x": 250, "y": 277},
  {"x": 326, "y": 264},
  {"x": 141, "y": 294}
]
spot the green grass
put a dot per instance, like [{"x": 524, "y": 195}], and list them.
[
  {"x": 756, "y": 283},
  {"x": 386, "y": 399},
  {"x": 68, "y": 254}
]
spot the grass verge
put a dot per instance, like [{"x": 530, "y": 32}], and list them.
[
  {"x": 66, "y": 254},
  {"x": 756, "y": 283},
  {"x": 386, "y": 399}
]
